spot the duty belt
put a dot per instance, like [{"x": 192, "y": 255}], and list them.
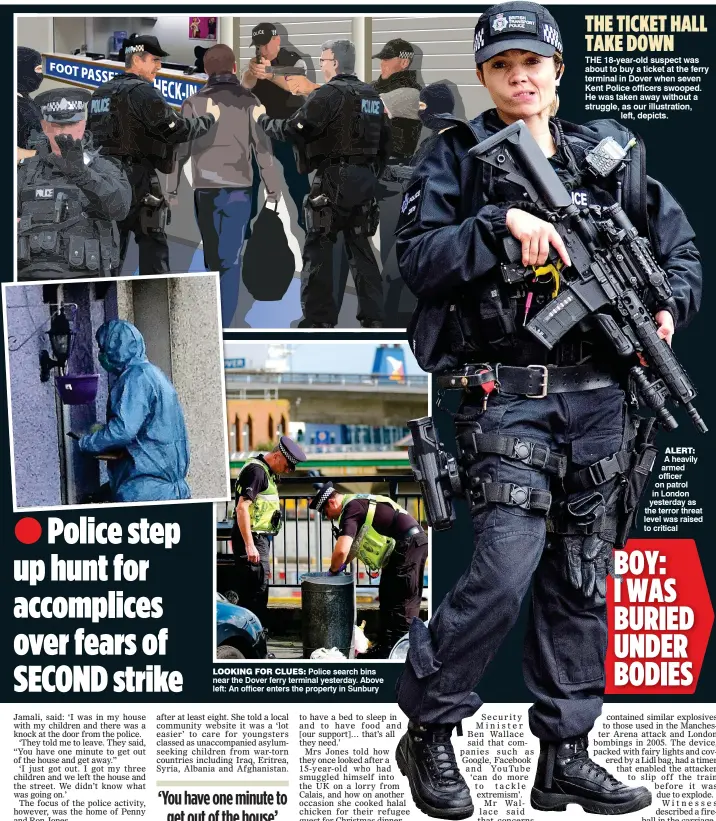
[{"x": 532, "y": 381}]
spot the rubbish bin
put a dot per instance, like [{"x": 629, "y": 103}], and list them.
[{"x": 328, "y": 612}]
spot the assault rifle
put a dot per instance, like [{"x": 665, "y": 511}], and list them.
[{"x": 613, "y": 270}]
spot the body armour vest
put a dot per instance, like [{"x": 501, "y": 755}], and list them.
[
  {"x": 117, "y": 130},
  {"x": 371, "y": 547},
  {"x": 278, "y": 102},
  {"x": 266, "y": 507},
  {"x": 55, "y": 233},
  {"x": 356, "y": 130}
]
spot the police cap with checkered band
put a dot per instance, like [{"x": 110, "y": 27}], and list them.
[
  {"x": 63, "y": 105},
  {"x": 519, "y": 25},
  {"x": 324, "y": 493},
  {"x": 144, "y": 44},
  {"x": 396, "y": 48}
]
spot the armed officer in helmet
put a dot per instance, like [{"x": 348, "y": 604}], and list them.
[
  {"x": 342, "y": 134},
  {"x": 387, "y": 539},
  {"x": 69, "y": 197},
  {"x": 130, "y": 119},
  {"x": 257, "y": 518}
]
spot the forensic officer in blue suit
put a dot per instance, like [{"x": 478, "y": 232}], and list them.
[
  {"x": 145, "y": 429},
  {"x": 548, "y": 452}
]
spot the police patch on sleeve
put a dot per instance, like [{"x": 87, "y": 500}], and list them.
[{"x": 410, "y": 205}]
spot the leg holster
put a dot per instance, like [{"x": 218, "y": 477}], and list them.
[
  {"x": 319, "y": 211},
  {"x": 154, "y": 212},
  {"x": 471, "y": 442}
]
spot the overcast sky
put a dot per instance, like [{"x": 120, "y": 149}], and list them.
[{"x": 321, "y": 357}]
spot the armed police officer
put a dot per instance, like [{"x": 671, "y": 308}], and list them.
[
  {"x": 548, "y": 448},
  {"x": 257, "y": 518},
  {"x": 69, "y": 197},
  {"x": 130, "y": 119},
  {"x": 343, "y": 135},
  {"x": 387, "y": 539}
]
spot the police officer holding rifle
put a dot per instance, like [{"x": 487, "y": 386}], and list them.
[{"x": 551, "y": 455}]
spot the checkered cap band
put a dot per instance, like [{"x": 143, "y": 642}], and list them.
[
  {"x": 551, "y": 35},
  {"x": 64, "y": 105},
  {"x": 134, "y": 49},
  {"x": 406, "y": 55},
  {"x": 325, "y": 496},
  {"x": 479, "y": 40},
  {"x": 290, "y": 458}
]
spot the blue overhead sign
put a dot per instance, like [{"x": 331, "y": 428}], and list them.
[
  {"x": 233, "y": 364},
  {"x": 92, "y": 75}
]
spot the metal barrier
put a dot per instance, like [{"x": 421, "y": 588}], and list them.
[{"x": 306, "y": 540}]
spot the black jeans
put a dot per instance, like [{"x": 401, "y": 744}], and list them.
[
  {"x": 153, "y": 247},
  {"x": 566, "y": 641}
]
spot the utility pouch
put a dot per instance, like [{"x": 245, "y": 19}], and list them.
[
  {"x": 25, "y": 223},
  {"x": 643, "y": 461},
  {"x": 23, "y": 249},
  {"x": 48, "y": 241},
  {"x": 92, "y": 258},
  {"x": 77, "y": 252},
  {"x": 35, "y": 247}
]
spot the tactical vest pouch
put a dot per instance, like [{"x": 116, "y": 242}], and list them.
[
  {"x": 35, "y": 243},
  {"x": 49, "y": 241},
  {"x": 77, "y": 252},
  {"x": 637, "y": 478},
  {"x": 25, "y": 223},
  {"x": 92, "y": 254},
  {"x": 23, "y": 249}
]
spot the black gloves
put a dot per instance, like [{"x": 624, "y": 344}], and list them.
[{"x": 71, "y": 161}]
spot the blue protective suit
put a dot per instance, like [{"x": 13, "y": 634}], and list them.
[{"x": 144, "y": 421}]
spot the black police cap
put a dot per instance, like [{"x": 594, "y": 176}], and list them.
[
  {"x": 263, "y": 33},
  {"x": 144, "y": 44},
  {"x": 63, "y": 105},
  {"x": 293, "y": 452},
  {"x": 520, "y": 25},
  {"x": 323, "y": 494},
  {"x": 396, "y": 48}
]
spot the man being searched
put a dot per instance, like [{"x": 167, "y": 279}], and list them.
[
  {"x": 130, "y": 119},
  {"x": 343, "y": 135},
  {"x": 280, "y": 94},
  {"x": 222, "y": 173},
  {"x": 68, "y": 196},
  {"x": 145, "y": 440},
  {"x": 257, "y": 517},
  {"x": 386, "y": 538}
]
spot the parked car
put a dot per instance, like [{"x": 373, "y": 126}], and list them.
[{"x": 239, "y": 634}]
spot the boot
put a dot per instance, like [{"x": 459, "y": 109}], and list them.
[
  {"x": 372, "y": 323},
  {"x": 426, "y": 756},
  {"x": 567, "y": 775}
]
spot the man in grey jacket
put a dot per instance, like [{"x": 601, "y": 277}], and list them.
[{"x": 222, "y": 175}]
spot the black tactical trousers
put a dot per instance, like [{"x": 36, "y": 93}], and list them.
[
  {"x": 252, "y": 580},
  {"x": 401, "y": 587},
  {"x": 153, "y": 247},
  {"x": 317, "y": 300},
  {"x": 565, "y": 645}
]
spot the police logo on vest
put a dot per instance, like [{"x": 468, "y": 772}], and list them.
[
  {"x": 371, "y": 106},
  {"x": 44, "y": 193},
  {"x": 99, "y": 106}
]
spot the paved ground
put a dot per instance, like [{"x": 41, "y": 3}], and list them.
[{"x": 285, "y": 648}]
